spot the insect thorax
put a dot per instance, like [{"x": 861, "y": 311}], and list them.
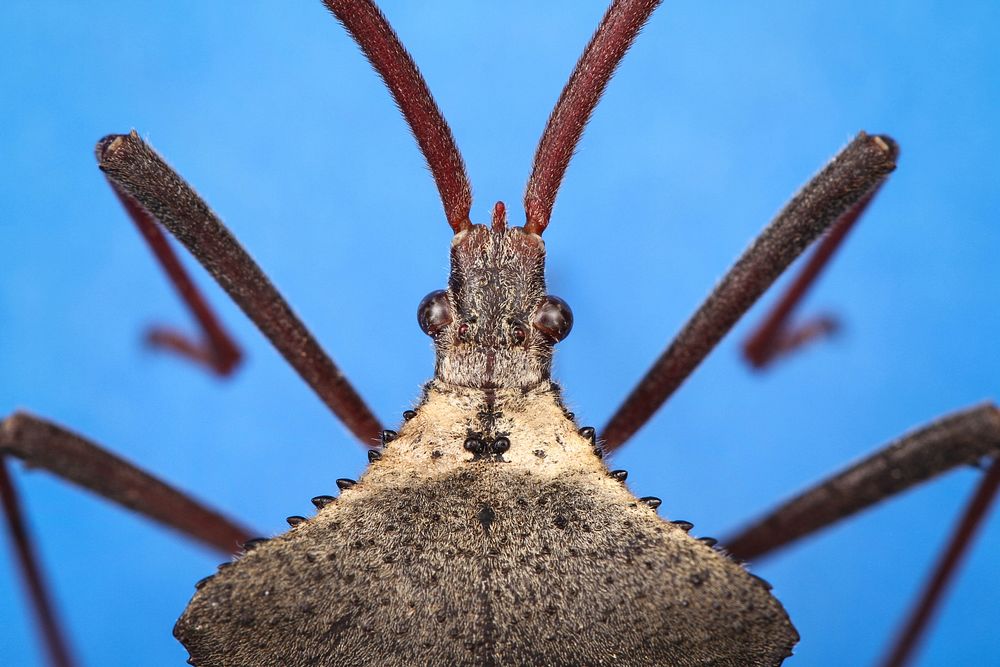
[
  {"x": 488, "y": 530},
  {"x": 527, "y": 553}
]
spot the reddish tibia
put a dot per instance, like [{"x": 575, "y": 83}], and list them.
[
  {"x": 38, "y": 590},
  {"x": 847, "y": 179},
  {"x": 775, "y": 336},
  {"x": 218, "y": 351},
  {"x": 44, "y": 445},
  {"x": 157, "y": 189},
  {"x": 606, "y": 49},
  {"x": 959, "y": 439},
  {"x": 946, "y": 568},
  {"x": 380, "y": 44}
]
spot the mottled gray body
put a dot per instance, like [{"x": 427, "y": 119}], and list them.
[{"x": 444, "y": 556}]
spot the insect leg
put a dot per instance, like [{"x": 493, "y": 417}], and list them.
[
  {"x": 217, "y": 351},
  {"x": 776, "y": 336},
  {"x": 142, "y": 175},
  {"x": 42, "y": 444},
  {"x": 966, "y": 437},
  {"x": 851, "y": 176},
  {"x": 945, "y": 569},
  {"x": 53, "y": 634}
]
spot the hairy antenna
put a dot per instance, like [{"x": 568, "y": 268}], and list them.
[
  {"x": 370, "y": 29},
  {"x": 612, "y": 39}
]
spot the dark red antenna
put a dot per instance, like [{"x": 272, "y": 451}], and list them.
[
  {"x": 378, "y": 41},
  {"x": 606, "y": 49}
]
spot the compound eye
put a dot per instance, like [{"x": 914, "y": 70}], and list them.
[
  {"x": 553, "y": 318},
  {"x": 518, "y": 333},
  {"x": 434, "y": 312}
]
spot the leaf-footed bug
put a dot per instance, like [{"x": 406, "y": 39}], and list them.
[{"x": 667, "y": 506}]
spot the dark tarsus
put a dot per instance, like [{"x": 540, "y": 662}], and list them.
[
  {"x": 775, "y": 336},
  {"x": 830, "y": 196},
  {"x": 217, "y": 351},
  {"x": 143, "y": 175}
]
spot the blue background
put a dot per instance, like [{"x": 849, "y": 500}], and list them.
[{"x": 716, "y": 117}]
